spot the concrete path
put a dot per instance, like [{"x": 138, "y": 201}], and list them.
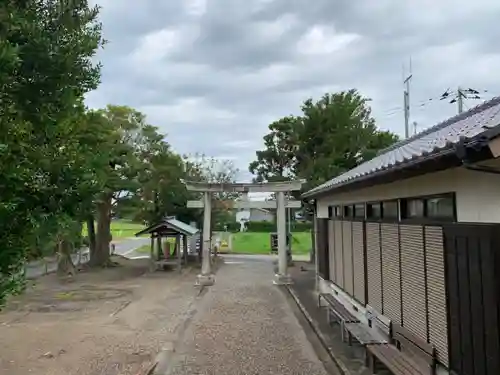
[{"x": 244, "y": 325}]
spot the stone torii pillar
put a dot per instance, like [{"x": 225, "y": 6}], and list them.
[
  {"x": 280, "y": 188},
  {"x": 206, "y": 277}
]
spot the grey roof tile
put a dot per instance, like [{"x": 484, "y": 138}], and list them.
[
  {"x": 431, "y": 141},
  {"x": 183, "y": 227},
  {"x": 173, "y": 223}
]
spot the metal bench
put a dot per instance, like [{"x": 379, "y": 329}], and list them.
[
  {"x": 338, "y": 309},
  {"x": 409, "y": 355},
  {"x": 364, "y": 334}
]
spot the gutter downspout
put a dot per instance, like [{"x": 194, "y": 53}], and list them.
[
  {"x": 461, "y": 152},
  {"x": 316, "y": 260},
  {"x": 480, "y": 168}
]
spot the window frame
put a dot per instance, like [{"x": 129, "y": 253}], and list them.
[
  {"x": 425, "y": 217},
  {"x": 357, "y": 206},
  {"x": 335, "y": 212},
  {"x": 396, "y": 218},
  {"x": 345, "y": 210}
]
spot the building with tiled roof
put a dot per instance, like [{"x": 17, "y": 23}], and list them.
[{"x": 410, "y": 241}]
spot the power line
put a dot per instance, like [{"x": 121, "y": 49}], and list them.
[
  {"x": 418, "y": 106},
  {"x": 448, "y": 94},
  {"x": 461, "y": 95}
]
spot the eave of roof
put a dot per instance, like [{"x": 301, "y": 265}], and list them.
[
  {"x": 432, "y": 144},
  {"x": 170, "y": 223}
]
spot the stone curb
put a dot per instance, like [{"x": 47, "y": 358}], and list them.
[
  {"x": 341, "y": 366},
  {"x": 163, "y": 362}
]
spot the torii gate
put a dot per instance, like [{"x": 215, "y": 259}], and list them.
[{"x": 279, "y": 188}]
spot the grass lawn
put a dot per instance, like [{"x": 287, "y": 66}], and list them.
[
  {"x": 257, "y": 243},
  {"x": 260, "y": 243},
  {"x": 121, "y": 229}
]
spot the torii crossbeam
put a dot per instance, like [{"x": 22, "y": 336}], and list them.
[{"x": 280, "y": 188}]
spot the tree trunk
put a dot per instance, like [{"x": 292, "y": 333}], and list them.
[
  {"x": 159, "y": 254},
  {"x": 91, "y": 234},
  {"x": 65, "y": 266},
  {"x": 101, "y": 257}
]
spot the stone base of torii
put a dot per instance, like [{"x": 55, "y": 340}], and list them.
[{"x": 206, "y": 277}]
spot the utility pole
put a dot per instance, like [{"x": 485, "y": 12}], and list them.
[
  {"x": 460, "y": 95},
  {"x": 460, "y": 100},
  {"x": 406, "y": 97},
  {"x": 415, "y": 127}
]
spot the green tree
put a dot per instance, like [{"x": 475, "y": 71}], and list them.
[
  {"x": 214, "y": 170},
  {"x": 45, "y": 70},
  {"x": 337, "y": 133},
  {"x": 161, "y": 192},
  {"x": 125, "y": 137},
  {"x": 334, "y": 134},
  {"x": 276, "y": 162}
]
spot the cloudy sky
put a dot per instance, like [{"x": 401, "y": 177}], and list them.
[{"x": 212, "y": 74}]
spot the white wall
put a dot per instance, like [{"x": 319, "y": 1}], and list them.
[
  {"x": 259, "y": 215},
  {"x": 477, "y": 193}
]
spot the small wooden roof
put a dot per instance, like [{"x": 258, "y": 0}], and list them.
[{"x": 169, "y": 226}]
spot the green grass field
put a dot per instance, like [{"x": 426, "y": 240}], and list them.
[
  {"x": 260, "y": 243},
  {"x": 121, "y": 229}
]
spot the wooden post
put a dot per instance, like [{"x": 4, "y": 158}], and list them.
[
  {"x": 178, "y": 249},
  {"x": 151, "y": 254},
  {"x": 185, "y": 243},
  {"x": 158, "y": 245}
]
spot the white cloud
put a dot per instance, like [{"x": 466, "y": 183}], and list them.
[
  {"x": 323, "y": 40},
  {"x": 195, "y": 8},
  {"x": 155, "y": 46}
]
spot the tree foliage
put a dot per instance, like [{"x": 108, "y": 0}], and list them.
[
  {"x": 45, "y": 70},
  {"x": 276, "y": 162},
  {"x": 215, "y": 170},
  {"x": 334, "y": 134}
]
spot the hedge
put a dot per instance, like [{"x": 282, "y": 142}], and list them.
[{"x": 263, "y": 226}]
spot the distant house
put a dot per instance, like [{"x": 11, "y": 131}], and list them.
[
  {"x": 412, "y": 237},
  {"x": 255, "y": 214}
]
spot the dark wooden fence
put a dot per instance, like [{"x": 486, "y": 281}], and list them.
[{"x": 473, "y": 283}]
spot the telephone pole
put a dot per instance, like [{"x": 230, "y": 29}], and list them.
[
  {"x": 406, "y": 97},
  {"x": 460, "y": 95},
  {"x": 460, "y": 100}
]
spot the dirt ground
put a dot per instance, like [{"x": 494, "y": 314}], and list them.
[{"x": 109, "y": 322}]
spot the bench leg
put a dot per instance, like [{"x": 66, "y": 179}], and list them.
[
  {"x": 328, "y": 316},
  {"x": 342, "y": 329},
  {"x": 349, "y": 338},
  {"x": 372, "y": 363}
]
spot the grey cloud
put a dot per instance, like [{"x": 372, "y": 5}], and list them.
[{"x": 231, "y": 71}]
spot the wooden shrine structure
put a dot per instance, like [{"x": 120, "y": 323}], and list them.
[{"x": 163, "y": 257}]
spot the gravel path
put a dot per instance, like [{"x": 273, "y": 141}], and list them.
[
  {"x": 244, "y": 325},
  {"x": 55, "y": 330}
]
